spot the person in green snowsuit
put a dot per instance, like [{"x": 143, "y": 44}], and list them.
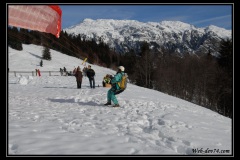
[{"x": 115, "y": 87}]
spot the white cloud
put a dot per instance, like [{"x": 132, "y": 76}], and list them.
[{"x": 211, "y": 19}]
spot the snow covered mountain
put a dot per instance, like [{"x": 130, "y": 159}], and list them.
[{"x": 179, "y": 37}]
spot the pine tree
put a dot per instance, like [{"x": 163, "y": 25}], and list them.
[
  {"x": 46, "y": 54},
  {"x": 14, "y": 40},
  {"x": 226, "y": 56},
  {"x": 144, "y": 66},
  {"x": 225, "y": 93}
]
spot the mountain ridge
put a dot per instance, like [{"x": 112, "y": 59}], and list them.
[{"x": 176, "y": 36}]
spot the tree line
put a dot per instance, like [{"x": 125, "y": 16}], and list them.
[
  {"x": 201, "y": 79},
  {"x": 204, "y": 80}
]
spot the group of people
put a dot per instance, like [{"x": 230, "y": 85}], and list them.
[
  {"x": 113, "y": 80},
  {"x": 90, "y": 73},
  {"x": 63, "y": 71},
  {"x": 38, "y": 73}
]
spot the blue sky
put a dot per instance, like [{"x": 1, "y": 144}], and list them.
[{"x": 200, "y": 15}]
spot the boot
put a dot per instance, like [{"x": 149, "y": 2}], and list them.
[
  {"x": 108, "y": 103},
  {"x": 116, "y": 105}
]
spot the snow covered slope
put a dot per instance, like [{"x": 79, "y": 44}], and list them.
[{"x": 48, "y": 115}]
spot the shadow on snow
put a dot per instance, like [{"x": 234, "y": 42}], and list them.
[{"x": 74, "y": 101}]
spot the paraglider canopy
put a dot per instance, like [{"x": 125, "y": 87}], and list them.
[{"x": 43, "y": 18}]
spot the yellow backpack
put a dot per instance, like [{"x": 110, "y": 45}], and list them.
[{"x": 123, "y": 83}]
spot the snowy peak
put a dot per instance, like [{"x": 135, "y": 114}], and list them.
[
  {"x": 176, "y": 26},
  {"x": 223, "y": 33},
  {"x": 176, "y": 36}
]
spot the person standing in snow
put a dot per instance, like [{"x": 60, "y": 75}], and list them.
[
  {"x": 90, "y": 75},
  {"x": 115, "y": 87},
  {"x": 61, "y": 71},
  {"x": 65, "y": 71},
  {"x": 41, "y": 63},
  {"x": 39, "y": 73},
  {"x": 78, "y": 75}
]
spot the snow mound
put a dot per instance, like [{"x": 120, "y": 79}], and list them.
[{"x": 23, "y": 80}]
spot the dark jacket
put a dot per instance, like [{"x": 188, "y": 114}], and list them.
[
  {"x": 78, "y": 76},
  {"x": 90, "y": 73}
]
